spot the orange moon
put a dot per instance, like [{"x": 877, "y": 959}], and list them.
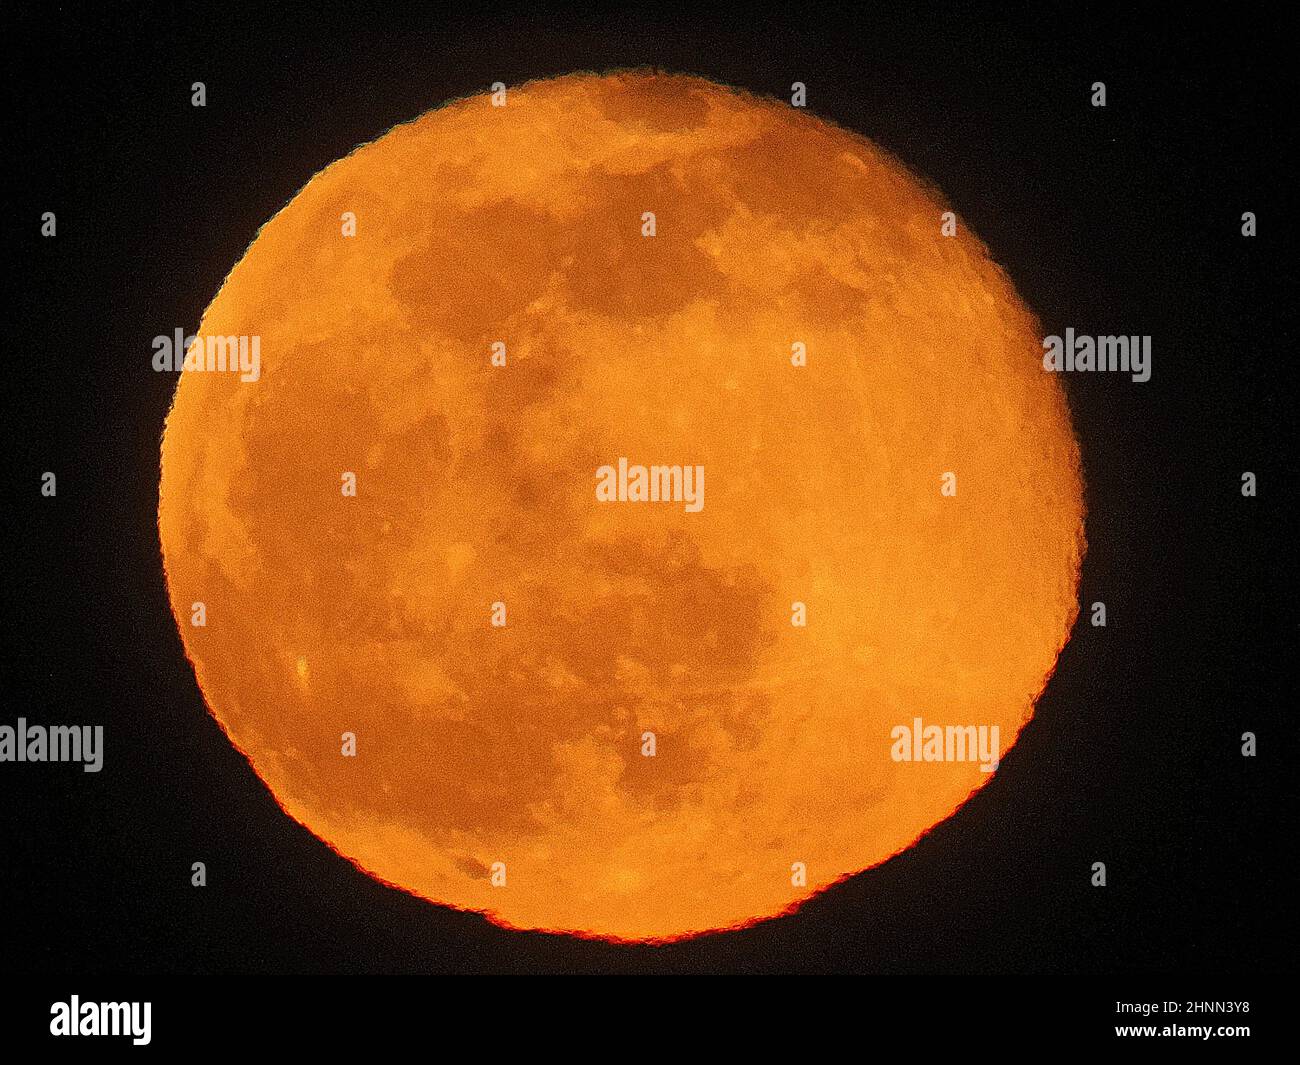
[{"x": 652, "y": 745}]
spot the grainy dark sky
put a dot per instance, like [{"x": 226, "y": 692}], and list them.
[{"x": 1124, "y": 219}]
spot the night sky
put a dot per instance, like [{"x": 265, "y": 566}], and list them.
[{"x": 1123, "y": 219}]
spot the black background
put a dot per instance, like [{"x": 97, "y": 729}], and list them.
[{"x": 1123, "y": 219}]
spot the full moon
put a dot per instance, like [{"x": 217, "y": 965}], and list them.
[{"x": 831, "y": 572}]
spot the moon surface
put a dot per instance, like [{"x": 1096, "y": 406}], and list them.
[{"x": 915, "y": 487}]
